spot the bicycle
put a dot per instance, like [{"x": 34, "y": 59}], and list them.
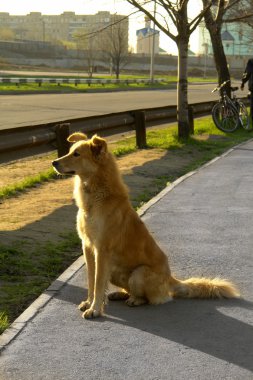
[
  {"x": 229, "y": 114},
  {"x": 244, "y": 120}
]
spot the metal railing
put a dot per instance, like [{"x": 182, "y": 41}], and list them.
[
  {"x": 52, "y": 136},
  {"x": 77, "y": 81}
]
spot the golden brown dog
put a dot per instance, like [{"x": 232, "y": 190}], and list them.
[{"x": 116, "y": 243}]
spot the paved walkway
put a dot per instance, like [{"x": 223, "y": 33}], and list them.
[{"x": 205, "y": 224}]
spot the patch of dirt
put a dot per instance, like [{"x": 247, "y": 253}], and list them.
[
  {"x": 45, "y": 212},
  {"x": 206, "y": 136},
  {"x": 14, "y": 172}
]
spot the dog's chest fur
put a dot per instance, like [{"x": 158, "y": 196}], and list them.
[{"x": 89, "y": 219}]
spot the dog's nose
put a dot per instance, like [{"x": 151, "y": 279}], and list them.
[{"x": 55, "y": 164}]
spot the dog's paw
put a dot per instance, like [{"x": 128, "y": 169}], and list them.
[
  {"x": 91, "y": 313},
  {"x": 84, "y": 305},
  {"x": 118, "y": 296},
  {"x": 134, "y": 301}
]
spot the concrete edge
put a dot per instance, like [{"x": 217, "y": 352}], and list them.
[
  {"x": 17, "y": 326},
  {"x": 142, "y": 210}
]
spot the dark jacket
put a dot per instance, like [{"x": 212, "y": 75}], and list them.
[{"x": 248, "y": 75}]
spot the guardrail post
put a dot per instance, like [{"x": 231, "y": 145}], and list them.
[
  {"x": 191, "y": 119},
  {"x": 62, "y": 132},
  {"x": 140, "y": 128}
]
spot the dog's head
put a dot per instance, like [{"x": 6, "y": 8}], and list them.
[{"x": 84, "y": 157}]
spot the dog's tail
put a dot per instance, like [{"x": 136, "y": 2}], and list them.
[{"x": 203, "y": 288}]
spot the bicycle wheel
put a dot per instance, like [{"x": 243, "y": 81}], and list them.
[
  {"x": 225, "y": 117},
  {"x": 243, "y": 116}
]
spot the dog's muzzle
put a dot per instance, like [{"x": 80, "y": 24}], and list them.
[{"x": 57, "y": 166}]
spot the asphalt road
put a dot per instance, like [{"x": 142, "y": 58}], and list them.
[
  {"x": 205, "y": 225},
  {"x": 22, "y": 110}
]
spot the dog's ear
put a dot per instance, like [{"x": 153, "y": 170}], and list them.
[
  {"x": 77, "y": 136},
  {"x": 98, "y": 146}
]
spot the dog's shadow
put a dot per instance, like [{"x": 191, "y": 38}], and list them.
[{"x": 208, "y": 326}]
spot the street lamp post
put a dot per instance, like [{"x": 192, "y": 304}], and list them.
[
  {"x": 152, "y": 56},
  {"x": 205, "y": 45}
]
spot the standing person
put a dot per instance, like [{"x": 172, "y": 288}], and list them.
[{"x": 248, "y": 77}]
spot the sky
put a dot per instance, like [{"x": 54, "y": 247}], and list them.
[{"x": 136, "y": 21}]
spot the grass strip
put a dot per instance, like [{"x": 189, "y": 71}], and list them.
[
  {"x": 4, "y": 321},
  {"x": 165, "y": 138},
  {"x": 171, "y": 81},
  {"x": 47, "y": 87},
  {"x": 27, "y": 183},
  {"x": 24, "y": 274},
  {"x": 122, "y": 148}
]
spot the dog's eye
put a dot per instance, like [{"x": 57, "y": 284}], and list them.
[{"x": 76, "y": 154}]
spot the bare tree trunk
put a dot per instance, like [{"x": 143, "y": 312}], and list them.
[
  {"x": 117, "y": 66},
  {"x": 182, "y": 90},
  {"x": 177, "y": 13},
  {"x": 214, "y": 27},
  {"x": 219, "y": 56}
]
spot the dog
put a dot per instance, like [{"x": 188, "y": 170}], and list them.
[{"x": 116, "y": 243}]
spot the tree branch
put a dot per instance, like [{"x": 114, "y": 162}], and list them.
[
  {"x": 238, "y": 18},
  {"x": 220, "y": 11},
  {"x": 231, "y": 3},
  {"x": 170, "y": 10},
  {"x": 151, "y": 17},
  {"x": 195, "y": 22}
]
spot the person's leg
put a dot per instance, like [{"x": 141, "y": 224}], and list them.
[{"x": 251, "y": 106}]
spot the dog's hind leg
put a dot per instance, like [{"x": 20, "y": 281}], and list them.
[
  {"x": 147, "y": 286},
  {"x": 121, "y": 295},
  {"x": 120, "y": 280},
  {"x": 137, "y": 287}
]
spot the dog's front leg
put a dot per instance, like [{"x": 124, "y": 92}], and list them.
[
  {"x": 101, "y": 278},
  {"x": 90, "y": 263}
]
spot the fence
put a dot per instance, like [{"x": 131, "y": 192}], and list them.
[
  {"x": 29, "y": 140},
  {"x": 77, "y": 81}
]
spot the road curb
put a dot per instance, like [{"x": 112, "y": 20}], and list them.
[
  {"x": 172, "y": 185},
  {"x": 19, "y": 324},
  {"x": 88, "y": 91}
]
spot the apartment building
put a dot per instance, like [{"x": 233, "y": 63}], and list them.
[{"x": 64, "y": 27}]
